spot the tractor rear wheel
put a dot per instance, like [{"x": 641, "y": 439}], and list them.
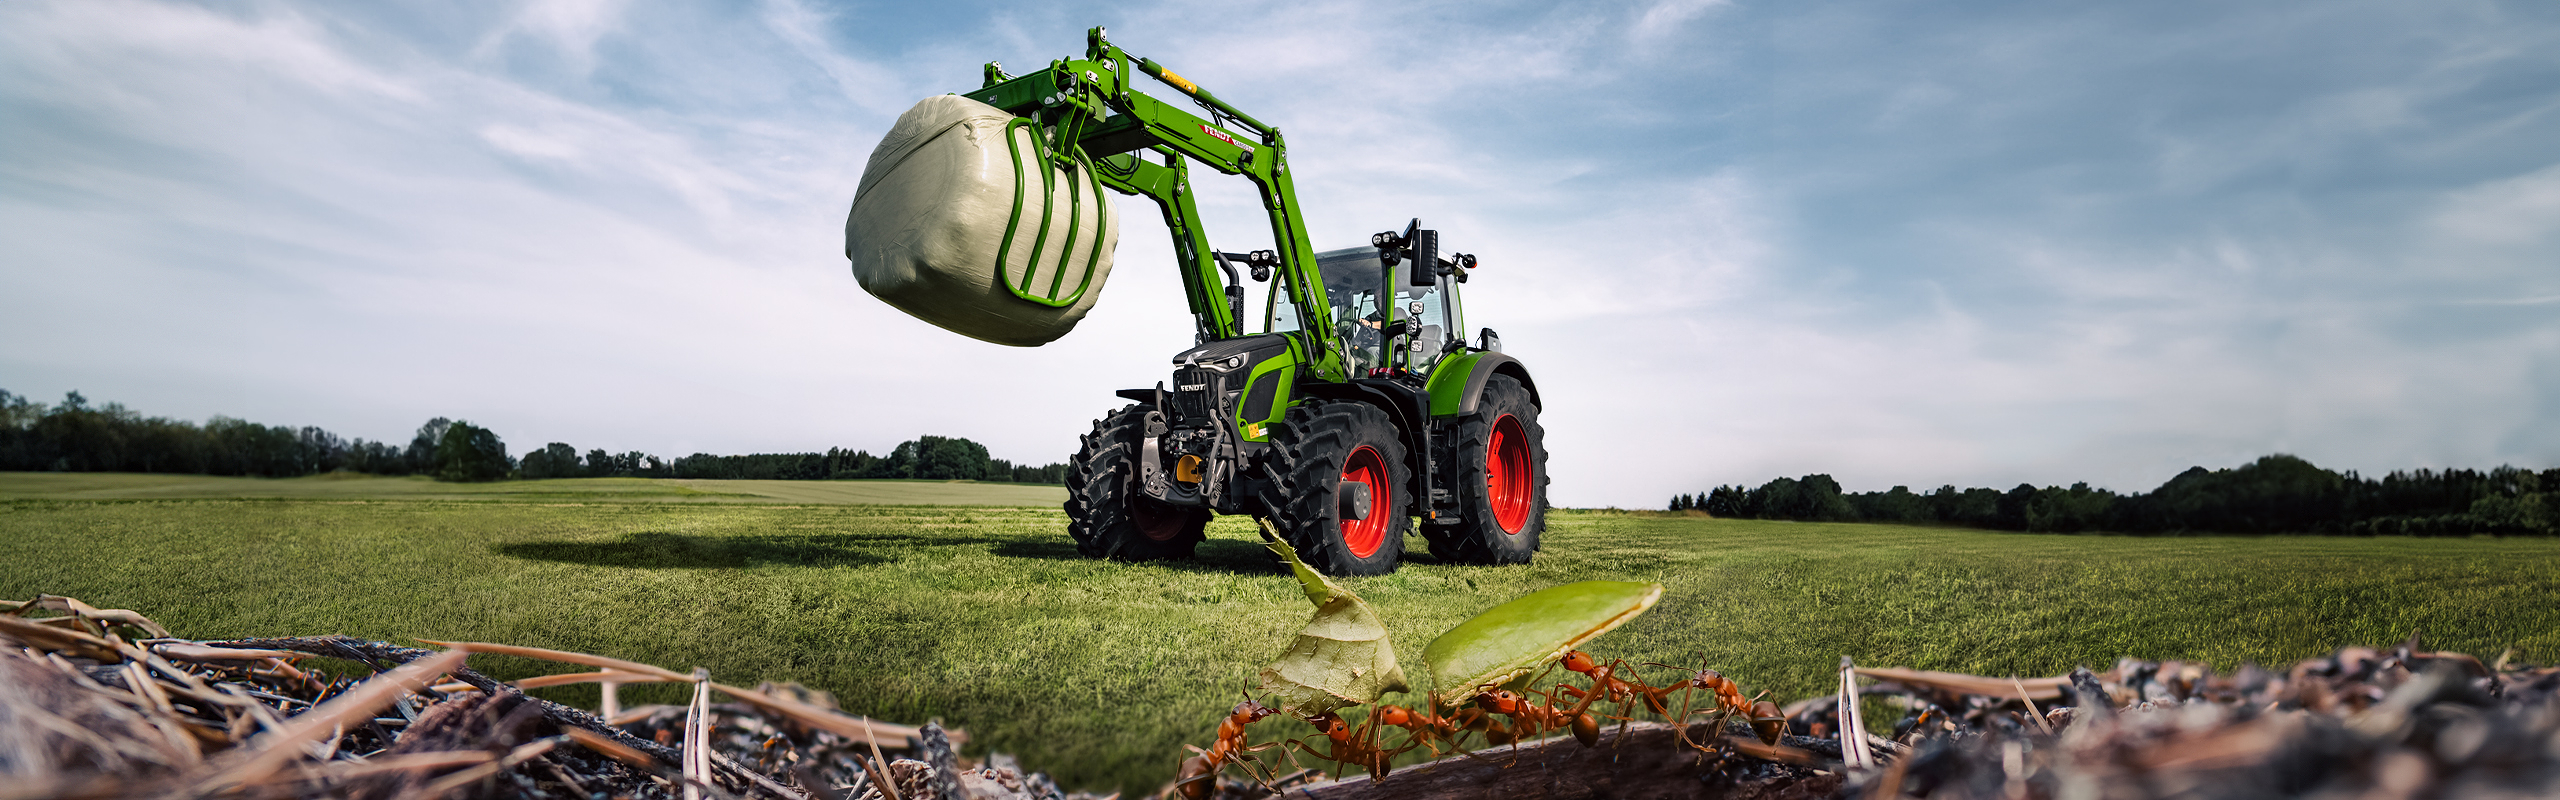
[
  {"x": 1502, "y": 488},
  {"x": 1337, "y": 487},
  {"x": 1107, "y": 513}
]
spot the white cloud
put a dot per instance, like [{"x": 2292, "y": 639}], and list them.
[
  {"x": 869, "y": 85},
  {"x": 2520, "y": 210},
  {"x": 1663, "y": 20},
  {"x": 570, "y": 27}
]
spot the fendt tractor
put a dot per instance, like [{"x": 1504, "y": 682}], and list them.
[{"x": 1347, "y": 410}]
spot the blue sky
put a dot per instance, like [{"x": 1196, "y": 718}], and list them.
[{"x": 1901, "y": 243}]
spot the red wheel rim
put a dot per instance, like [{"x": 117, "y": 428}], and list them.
[
  {"x": 1506, "y": 474},
  {"x": 1156, "y": 521},
  {"x": 1363, "y": 536}
]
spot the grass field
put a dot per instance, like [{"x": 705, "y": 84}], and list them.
[{"x": 983, "y": 616}]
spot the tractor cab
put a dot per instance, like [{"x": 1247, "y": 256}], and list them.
[{"x": 1424, "y": 320}]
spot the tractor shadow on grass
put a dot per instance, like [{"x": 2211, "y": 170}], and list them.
[
  {"x": 1214, "y": 556},
  {"x": 657, "y": 550}
]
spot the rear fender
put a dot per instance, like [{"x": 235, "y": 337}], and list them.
[{"x": 1457, "y": 383}]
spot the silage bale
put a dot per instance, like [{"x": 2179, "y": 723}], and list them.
[{"x": 961, "y": 221}]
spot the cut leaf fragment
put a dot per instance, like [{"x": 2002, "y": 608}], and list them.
[
  {"x": 1507, "y": 641},
  {"x": 1342, "y": 658}
]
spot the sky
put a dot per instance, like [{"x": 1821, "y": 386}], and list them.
[{"x": 1970, "y": 243}]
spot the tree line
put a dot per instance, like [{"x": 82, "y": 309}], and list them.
[
  {"x": 921, "y": 458},
  {"x": 2275, "y": 494},
  {"x": 79, "y": 436}
]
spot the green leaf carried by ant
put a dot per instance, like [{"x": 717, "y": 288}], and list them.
[
  {"x": 1342, "y": 657},
  {"x": 1507, "y": 642}
]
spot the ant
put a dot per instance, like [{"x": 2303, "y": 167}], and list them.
[
  {"x": 1605, "y": 680},
  {"x": 1355, "y": 745},
  {"x": 1528, "y": 717},
  {"x": 1198, "y": 776},
  {"x": 1425, "y": 728},
  {"x": 1767, "y": 722}
]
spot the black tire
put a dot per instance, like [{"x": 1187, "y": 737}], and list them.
[
  {"x": 1107, "y": 514},
  {"x": 1315, "y": 449},
  {"x": 1481, "y": 535}
]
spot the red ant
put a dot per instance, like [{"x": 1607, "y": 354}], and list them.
[
  {"x": 1424, "y": 727},
  {"x": 1354, "y": 746},
  {"x": 1529, "y": 718},
  {"x": 1604, "y": 678},
  {"x": 1767, "y": 722},
  {"x": 1198, "y": 776}
]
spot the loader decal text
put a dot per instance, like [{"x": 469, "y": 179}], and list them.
[{"x": 1223, "y": 137}]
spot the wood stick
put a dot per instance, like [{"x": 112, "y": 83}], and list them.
[
  {"x": 696, "y": 734},
  {"x": 1959, "y": 683},
  {"x": 2032, "y": 711},
  {"x": 1853, "y": 725},
  {"x": 607, "y": 677},
  {"x": 837, "y": 722},
  {"x": 383, "y": 654},
  {"x": 445, "y": 785},
  {"x": 200, "y": 653},
  {"x": 888, "y": 788},
  {"x": 357, "y": 703},
  {"x": 565, "y": 657}
]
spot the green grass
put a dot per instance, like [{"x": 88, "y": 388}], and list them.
[{"x": 1097, "y": 672}]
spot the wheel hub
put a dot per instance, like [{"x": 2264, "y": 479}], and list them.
[
  {"x": 1363, "y": 534},
  {"x": 1351, "y": 500}
]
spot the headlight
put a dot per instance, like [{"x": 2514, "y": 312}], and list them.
[{"x": 1221, "y": 365}]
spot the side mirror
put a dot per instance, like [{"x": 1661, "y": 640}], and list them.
[
  {"x": 1488, "y": 340},
  {"x": 1426, "y": 259}
]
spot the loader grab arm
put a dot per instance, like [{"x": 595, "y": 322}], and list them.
[{"x": 1086, "y": 115}]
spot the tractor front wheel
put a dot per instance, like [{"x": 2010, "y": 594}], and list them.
[
  {"x": 1502, "y": 453},
  {"x": 1107, "y": 513},
  {"x": 1337, "y": 485}
]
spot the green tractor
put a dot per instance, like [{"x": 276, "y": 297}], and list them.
[{"x": 1349, "y": 407}]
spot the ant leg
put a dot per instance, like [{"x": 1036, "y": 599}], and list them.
[{"x": 1367, "y": 736}]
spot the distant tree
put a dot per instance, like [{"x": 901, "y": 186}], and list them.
[
  {"x": 377, "y": 458},
  {"x": 1895, "y": 505},
  {"x": 1822, "y": 501},
  {"x": 2535, "y": 513},
  {"x": 1729, "y": 502},
  {"x": 423, "y": 446},
  {"x": 470, "y": 453},
  {"x": 2276, "y": 493},
  {"x": 2072, "y": 510},
  {"x": 939, "y": 458},
  {"x": 554, "y": 460}
]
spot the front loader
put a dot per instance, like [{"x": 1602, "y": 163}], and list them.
[{"x": 1344, "y": 405}]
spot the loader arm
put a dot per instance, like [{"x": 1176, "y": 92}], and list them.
[{"x": 1086, "y": 115}]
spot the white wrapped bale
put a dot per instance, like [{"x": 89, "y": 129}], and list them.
[{"x": 958, "y": 227}]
